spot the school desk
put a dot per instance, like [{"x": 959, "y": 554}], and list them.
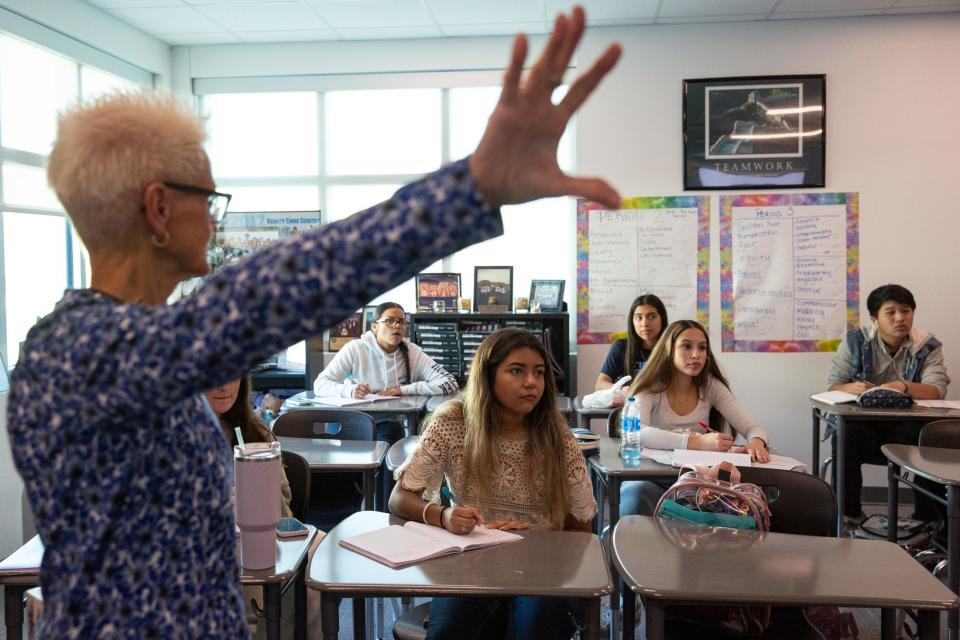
[{"x": 411, "y": 408}]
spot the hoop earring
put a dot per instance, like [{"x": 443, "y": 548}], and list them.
[{"x": 160, "y": 244}]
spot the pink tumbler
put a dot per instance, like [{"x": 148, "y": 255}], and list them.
[{"x": 256, "y": 469}]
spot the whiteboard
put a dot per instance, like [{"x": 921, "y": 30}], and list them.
[
  {"x": 789, "y": 270},
  {"x": 650, "y": 245}
]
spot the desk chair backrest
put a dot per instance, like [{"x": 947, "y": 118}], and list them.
[
  {"x": 399, "y": 452},
  {"x": 799, "y": 503},
  {"x": 941, "y": 433},
  {"x": 298, "y": 475},
  {"x": 340, "y": 424}
]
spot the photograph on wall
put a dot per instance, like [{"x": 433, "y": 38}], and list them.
[
  {"x": 437, "y": 291},
  {"x": 764, "y": 131},
  {"x": 493, "y": 287},
  {"x": 344, "y": 331},
  {"x": 368, "y": 312},
  {"x": 242, "y": 233},
  {"x": 546, "y": 295}
]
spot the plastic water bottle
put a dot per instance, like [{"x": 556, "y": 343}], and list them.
[{"x": 630, "y": 430}]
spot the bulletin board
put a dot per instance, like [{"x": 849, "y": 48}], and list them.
[
  {"x": 789, "y": 270},
  {"x": 658, "y": 245}
]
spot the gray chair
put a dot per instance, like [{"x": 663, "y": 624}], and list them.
[
  {"x": 298, "y": 475},
  {"x": 799, "y": 503},
  {"x": 944, "y": 434},
  {"x": 341, "y": 424}
]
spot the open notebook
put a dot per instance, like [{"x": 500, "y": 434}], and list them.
[
  {"x": 398, "y": 546},
  {"x": 834, "y": 397}
]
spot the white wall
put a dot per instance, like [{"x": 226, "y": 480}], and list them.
[{"x": 893, "y": 131}]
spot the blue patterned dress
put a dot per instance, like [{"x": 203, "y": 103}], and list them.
[{"x": 123, "y": 461}]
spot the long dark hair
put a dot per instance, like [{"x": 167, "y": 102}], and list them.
[
  {"x": 404, "y": 349},
  {"x": 547, "y": 429},
  {"x": 634, "y": 342},
  {"x": 241, "y": 415}
]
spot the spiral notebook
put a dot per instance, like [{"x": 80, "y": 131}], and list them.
[{"x": 399, "y": 546}]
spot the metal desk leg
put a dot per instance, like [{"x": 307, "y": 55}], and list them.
[
  {"x": 369, "y": 485},
  {"x": 271, "y": 608},
  {"x": 888, "y": 624},
  {"x": 815, "y": 460},
  {"x": 13, "y": 610},
  {"x": 629, "y": 623},
  {"x": 653, "y": 611},
  {"x": 893, "y": 501},
  {"x": 591, "y": 627},
  {"x": 329, "y": 615},
  {"x": 300, "y": 605},
  {"x": 840, "y": 464},
  {"x": 359, "y": 619},
  {"x": 413, "y": 424},
  {"x": 928, "y": 624},
  {"x": 615, "y": 613},
  {"x": 953, "y": 556}
]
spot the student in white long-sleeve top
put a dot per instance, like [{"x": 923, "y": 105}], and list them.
[
  {"x": 382, "y": 363},
  {"x": 676, "y": 392}
]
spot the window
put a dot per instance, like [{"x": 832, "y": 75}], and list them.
[
  {"x": 368, "y": 143},
  {"x": 42, "y": 255}
]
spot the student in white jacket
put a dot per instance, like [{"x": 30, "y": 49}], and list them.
[{"x": 382, "y": 363}]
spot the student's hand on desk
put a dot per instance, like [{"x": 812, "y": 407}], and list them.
[
  {"x": 757, "y": 449},
  {"x": 507, "y": 525},
  {"x": 713, "y": 441},
  {"x": 461, "y": 520},
  {"x": 361, "y": 390},
  {"x": 392, "y": 391},
  {"x": 858, "y": 387},
  {"x": 516, "y": 159}
]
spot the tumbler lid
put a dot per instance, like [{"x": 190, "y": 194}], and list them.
[{"x": 257, "y": 451}]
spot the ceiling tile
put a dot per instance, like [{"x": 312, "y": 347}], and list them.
[
  {"x": 198, "y": 38},
  {"x": 704, "y": 19},
  {"x": 133, "y": 4},
  {"x": 505, "y": 29},
  {"x": 465, "y": 12},
  {"x": 933, "y": 9},
  {"x": 727, "y": 8},
  {"x": 286, "y": 16},
  {"x": 829, "y": 6},
  {"x": 293, "y": 35},
  {"x": 198, "y": 3},
  {"x": 373, "y": 13},
  {"x": 812, "y": 15},
  {"x": 168, "y": 20},
  {"x": 926, "y": 3},
  {"x": 606, "y": 9},
  {"x": 388, "y": 33},
  {"x": 618, "y": 23}
]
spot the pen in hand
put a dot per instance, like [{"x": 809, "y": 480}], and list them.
[{"x": 463, "y": 519}]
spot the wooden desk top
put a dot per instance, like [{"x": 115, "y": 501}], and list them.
[
  {"x": 23, "y": 565},
  {"x": 933, "y": 463},
  {"x": 401, "y": 404},
  {"x": 916, "y": 412},
  {"x": 547, "y": 563},
  {"x": 609, "y": 463},
  {"x": 783, "y": 569},
  {"x": 337, "y": 455}
]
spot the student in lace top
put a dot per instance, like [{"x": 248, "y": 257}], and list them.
[
  {"x": 507, "y": 454},
  {"x": 676, "y": 392}
]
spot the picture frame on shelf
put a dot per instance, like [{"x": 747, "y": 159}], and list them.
[
  {"x": 344, "y": 331},
  {"x": 437, "y": 291},
  {"x": 368, "y": 312},
  {"x": 547, "y": 294},
  {"x": 493, "y": 289},
  {"x": 756, "y": 131}
]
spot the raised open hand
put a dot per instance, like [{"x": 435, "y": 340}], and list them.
[{"x": 516, "y": 159}]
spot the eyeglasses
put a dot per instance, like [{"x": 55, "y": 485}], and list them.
[
  {"x": 216, "y": 201},
  {"x": 393, "y": 322}
]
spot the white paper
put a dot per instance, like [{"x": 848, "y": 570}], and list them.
[
  {"x": 834, "y": 397},
  {"x": 939, "y": 404},
  {"x": 637, "y": 251},
  {"x": 663, "y": 456},
  {"x": 337, "y": 401},
  {"x": 693, "y": 457},
  {"x": 789, "y": 268},
  {"x": 782, "y": 462}
]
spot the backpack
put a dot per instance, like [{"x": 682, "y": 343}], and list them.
[{"x": 700, "y": 497}]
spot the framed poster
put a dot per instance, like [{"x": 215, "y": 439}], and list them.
[
  {"x": 762, "y": 131},
  {"x": 493, "y": 287},
  {"x": 368, "y": 312},
  {"x": 344, "y": 331},
  {"x": 437, "y": 291},
  {"x": 548, "y": 294}
]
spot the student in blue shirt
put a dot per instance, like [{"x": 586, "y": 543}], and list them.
[{"x": 645, "y": 324}]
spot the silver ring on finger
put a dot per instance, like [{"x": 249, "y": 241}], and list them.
[{"x": 463, "y": 529}]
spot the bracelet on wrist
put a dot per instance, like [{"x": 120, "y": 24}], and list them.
[
  {"x": 906, "y": 387},
  {"x": 423, "y": 516}
]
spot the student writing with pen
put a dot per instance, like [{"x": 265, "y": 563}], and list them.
[
  {"x": 508, "y": 455},
  {"x": 676, "y": 392}
]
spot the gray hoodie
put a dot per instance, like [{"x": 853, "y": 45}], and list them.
[{"x": 364, "y": 361}]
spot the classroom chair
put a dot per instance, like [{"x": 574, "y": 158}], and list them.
[
  {"x": 298, "y": 475},
  {"x": 944, "y": 434},
  {"x": 342, "y": 424}
]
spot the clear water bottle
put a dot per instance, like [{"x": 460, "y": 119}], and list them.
[{"x": 630, "y": 430}]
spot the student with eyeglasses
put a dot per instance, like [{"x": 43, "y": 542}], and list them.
[{"x": 381, "y": 362}]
